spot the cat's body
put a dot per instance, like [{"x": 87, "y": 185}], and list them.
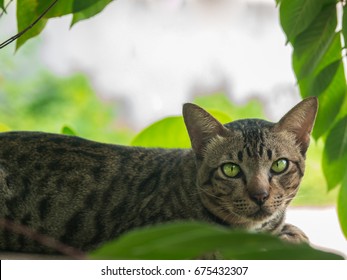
[{"x": 84, "y": 193}]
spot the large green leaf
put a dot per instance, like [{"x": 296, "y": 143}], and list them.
[
  {"x": 26, "y": 15},
  {"x": 189, "y": 240},
  {"x": 342, "y": 206},
  {"x": 170, "y": 132},
  {"x": 311, "y": 45},
  {"x": 96, "y": 8},
  {"x": 297, "y": 15},
  {"x": 335, "y": 154}
]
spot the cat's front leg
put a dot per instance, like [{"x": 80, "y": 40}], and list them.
[{"x": 293, "y": 234}]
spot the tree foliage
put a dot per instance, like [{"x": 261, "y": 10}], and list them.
[
  {"x": 318, "y": 42},
  {"x": 32, "y": 15}
]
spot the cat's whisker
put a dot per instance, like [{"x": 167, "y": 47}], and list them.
[
  {"x": 290, "y": 196},
  {"x": 208, "y": 193},
  {"x": 226, "y": 206}
]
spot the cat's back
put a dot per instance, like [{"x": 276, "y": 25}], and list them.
[
  {"x": 74, "y": 189},
  {"x": 37, "y": 158},
  {"x": 23, "y": 146}
]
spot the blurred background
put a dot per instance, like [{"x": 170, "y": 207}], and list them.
[{"x": 109, "y": 77}]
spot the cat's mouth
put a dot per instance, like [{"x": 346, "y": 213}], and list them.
[{"x": 260, "y": 214}]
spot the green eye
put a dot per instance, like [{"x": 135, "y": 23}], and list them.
[
  {"x": 279, "y": 165},
  {"x": 231, "y": 170}
]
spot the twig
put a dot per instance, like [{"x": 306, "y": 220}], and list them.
[
  {"x": 8, "y": 4},
  {"x": 42, "y": 239},
  {"x": 15, "y": 37}
]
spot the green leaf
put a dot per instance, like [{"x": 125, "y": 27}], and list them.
[
  {"x": 324, "y": 79},
  {"x": 26, "y": 15},
  {"x": 65, "y": 7},
  {"x": 330, "y": 88},
  {"x": 221, "y": 102},
  {"x": 2, "y": 5},
  {"x": 335, "y": 154},
  {"x": 333, "y": 54},
  {"x": 90, "y": 11},
  {"x": 342, "y": 206},
  {"x": 68, "y": 131},
  {"x": 80, "y": 5},
  {"x": 170, "y": 132},
  {"x": 327, "y": 82},
  {"x": 189, "y": 240},
  {"x": 344, "y": 24},
  {"x": 59, "y": 9},
  {"x": 330, "y": 102},
  {"x": 297, "y": 15},
  {"x": 311, "y": 45},
  {"x": 311, "y": 85}
]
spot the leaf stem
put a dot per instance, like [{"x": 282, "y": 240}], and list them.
[{"x": 15, "y": 37}]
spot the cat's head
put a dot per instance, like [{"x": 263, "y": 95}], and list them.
[{"x": 249, "y": 170}]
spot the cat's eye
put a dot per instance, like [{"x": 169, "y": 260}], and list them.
[
  {"x": 279, "y": 166},
  {"x": 231, "y": 170}
]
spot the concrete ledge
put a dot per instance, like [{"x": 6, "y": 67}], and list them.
[{"x": 23, "y": 256}]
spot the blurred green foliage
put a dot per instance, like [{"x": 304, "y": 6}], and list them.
[
  {"x": 32, "y": 98},
  {"x": 317, "y": 31}
]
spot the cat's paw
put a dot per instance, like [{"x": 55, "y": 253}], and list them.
[
  {"x": 293, "y": 234},
  {"x": 210, "y": 256}
]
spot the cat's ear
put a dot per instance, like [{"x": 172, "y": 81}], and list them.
[
  {"x": 201, "y": 126},
  {"x": 300, "y": 120}
]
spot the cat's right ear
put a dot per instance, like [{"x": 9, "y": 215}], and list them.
[
  {"x": 201, "y": 126},
  {"x": 300, "y": 120}
]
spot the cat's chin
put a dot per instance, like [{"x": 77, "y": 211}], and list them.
[{"x": 259, "y": 215}]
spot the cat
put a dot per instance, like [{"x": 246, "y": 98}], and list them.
[{"x": 83, "y": 193}]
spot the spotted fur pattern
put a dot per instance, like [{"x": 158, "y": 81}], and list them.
[{"x": 84, "y": 193}]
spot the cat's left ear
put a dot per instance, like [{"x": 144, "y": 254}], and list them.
[
  {"x": 201, "y": 126},
  {"x": 300, "y": 120}
]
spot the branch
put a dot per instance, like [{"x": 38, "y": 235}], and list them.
[
  {"x": 42, "y": 239},
  {"x": 15, "y": 37},
  {"x": 4, "y": 10}
]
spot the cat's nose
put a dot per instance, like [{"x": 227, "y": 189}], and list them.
[{"x": 260, "y": 198}]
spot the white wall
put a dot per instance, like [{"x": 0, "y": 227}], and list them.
[{"x": 155, "y": 55}]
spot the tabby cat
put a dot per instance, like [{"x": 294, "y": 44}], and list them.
[{"x": 242, "y": 175}]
